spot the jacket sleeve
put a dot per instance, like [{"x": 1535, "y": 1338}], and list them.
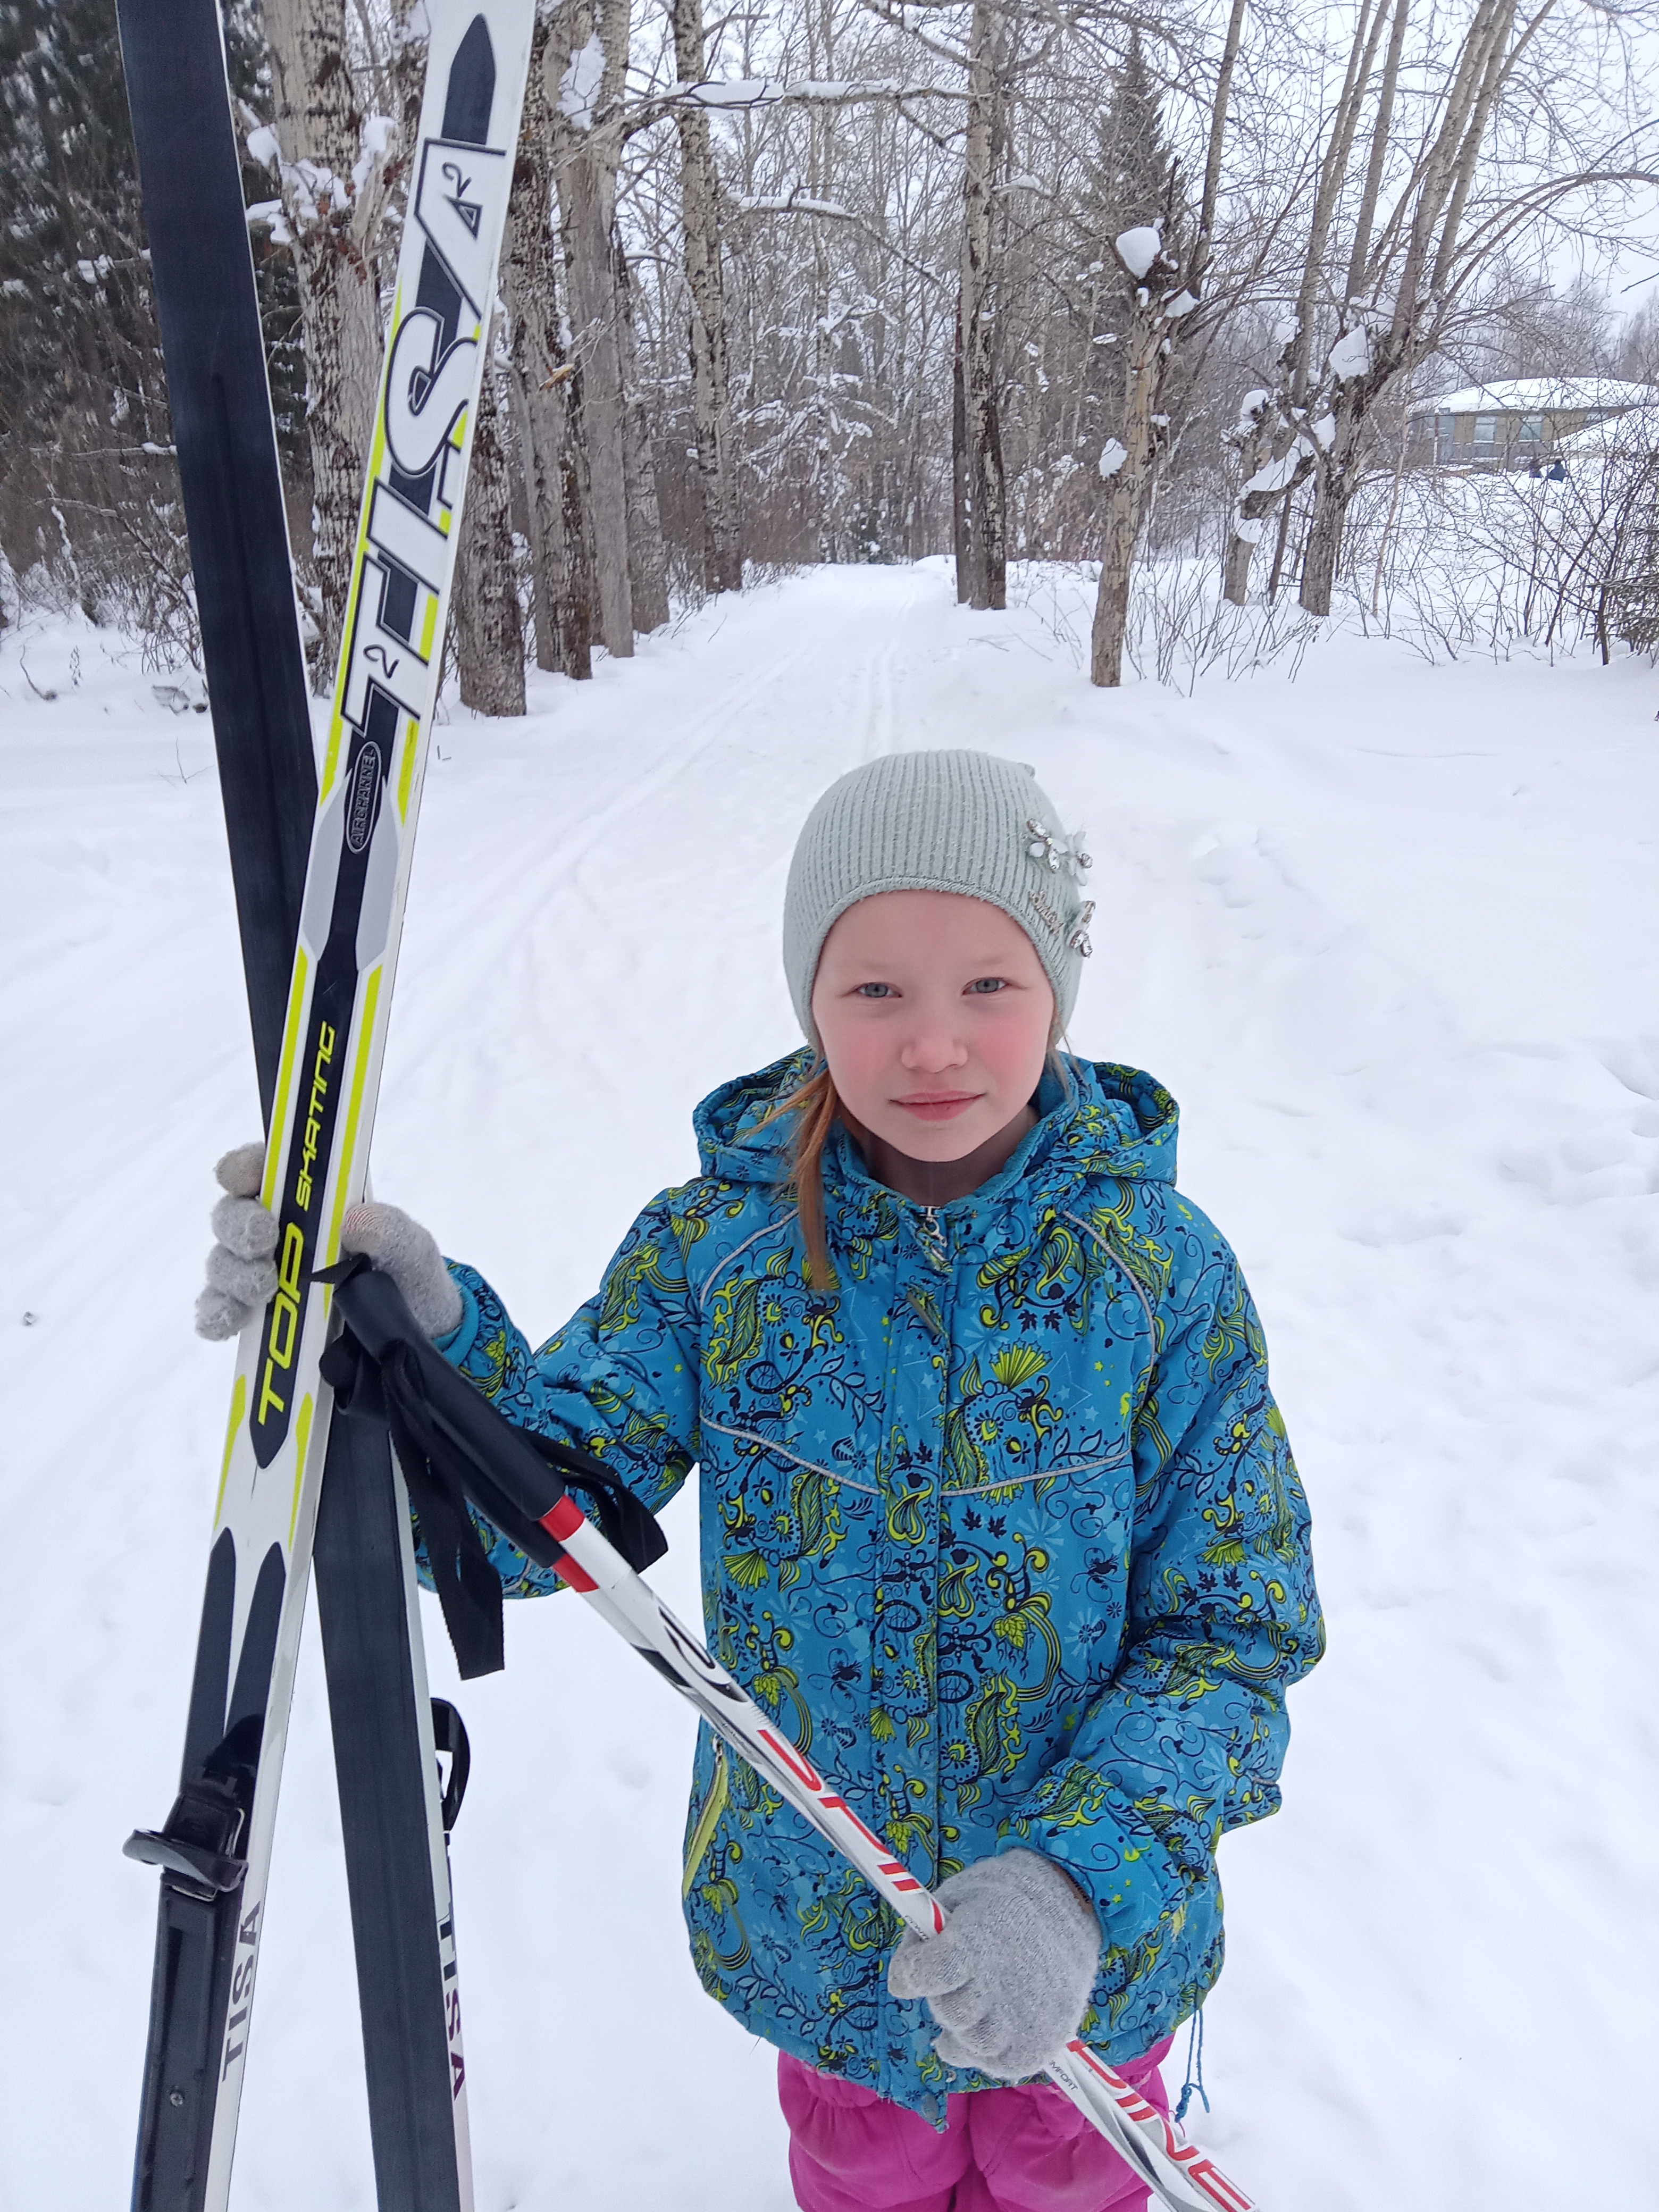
[
  {"x": 618, "y": 1380},
  {"x": 1187, "y": 1738}
]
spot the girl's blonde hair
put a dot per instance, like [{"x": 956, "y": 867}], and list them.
[{"x": 815, "y": 1106}]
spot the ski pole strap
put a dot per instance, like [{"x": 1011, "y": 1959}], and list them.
[{"x": 456, "y": 1449}]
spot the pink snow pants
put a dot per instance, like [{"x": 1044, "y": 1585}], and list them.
[{"x": 1003, "y": 2150}]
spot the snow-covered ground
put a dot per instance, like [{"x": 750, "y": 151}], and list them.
[{"x": 1391, "y": 934}]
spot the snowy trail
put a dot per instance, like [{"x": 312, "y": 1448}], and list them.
[{"x": 1389, "y": 934}]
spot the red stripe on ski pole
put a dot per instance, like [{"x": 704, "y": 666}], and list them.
[
  {"x": 562, "y": 1522},
  {"x": 1080, "y": 2050},
  {"x": 1188, "y": 2156},
  {"x": 896, "y": 1872},
  {"x": 797, "y": 1763},
  {"x": 1217, "y": 2187}
]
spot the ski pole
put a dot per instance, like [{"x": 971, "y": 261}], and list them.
[
  {"x": 450, "y": 1439},
  {"x": 1178, "y": 2173}
]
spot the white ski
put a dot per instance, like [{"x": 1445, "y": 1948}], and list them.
[{"x": 339, "y": 1002}]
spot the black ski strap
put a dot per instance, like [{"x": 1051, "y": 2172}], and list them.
[
  {"x": 449, "y": 1735},
  {"x": 456, "y": 1448}
]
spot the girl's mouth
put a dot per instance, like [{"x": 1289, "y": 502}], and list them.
[{"x": 937, "y": 1106}]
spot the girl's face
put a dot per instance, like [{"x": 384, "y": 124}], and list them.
[{"x": 935, "y": 1017}]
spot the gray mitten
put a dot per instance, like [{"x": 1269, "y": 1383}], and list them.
[
  {"x": 241, "y": 1268},
  {"x": 409, "y": 1255},
  {"x": 1009, "y": 1979}
]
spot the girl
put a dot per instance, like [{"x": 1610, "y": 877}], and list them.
[{"x": 999, "y": 1517}]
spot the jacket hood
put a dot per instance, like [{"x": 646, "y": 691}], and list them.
[{"x": 1114, "y": 1120}]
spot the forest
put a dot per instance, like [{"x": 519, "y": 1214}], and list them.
[{"x": 1154, "y": 294}]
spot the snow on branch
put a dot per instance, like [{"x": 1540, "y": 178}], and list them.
[
  {"x": 579, "y": 87},
  {"x": 314, "y": 195},
  {"x": 747, "y": 93},
  {"x": 374, "y": 141},
  {"x": 1277, "y": 475},
  {"x": 794, "y": 203},
  {"x": 1351, "y": 356},
  {"x": 1139, "y": 248},
  {"x": 267, "y": 214}
]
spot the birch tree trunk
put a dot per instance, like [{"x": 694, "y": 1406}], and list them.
[
  {"x": 1169, "y": 302},
  {"x": 647, "y": 563},
  {"x": 711, "y": 384},
  {"x": 1126, "y": 488},
  {"x": 586, "y": 54},
  {"x": 333, "y": 222},
  {"x": 1336, "y": 484},
  {"x": 489, "y": 633},
  {"x": 823, "y": 485},
  {"x": 1324, "y": 554},
  {"x": 576, "y": 601},
  {"x": 1276, "y": 458},
  {"x": 961, "y": 543},
  {"x": 545, "y": 398},
  {"x": 988, "y": 499},
  {"x": 1236, "y": 565}
]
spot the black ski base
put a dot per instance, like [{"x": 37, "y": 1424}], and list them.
[
  {"x": 197, "y": 1939},
  {"x": 380, "y": 1760}
]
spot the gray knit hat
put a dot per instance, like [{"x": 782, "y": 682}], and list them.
[{"x": 939, "y": 822}]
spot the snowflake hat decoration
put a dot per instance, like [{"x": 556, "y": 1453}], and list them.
[
  {"x": 1044, "y": 845},
  {"x": 1055, "y": 853}
]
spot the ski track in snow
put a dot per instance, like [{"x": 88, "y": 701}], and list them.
[{"x": 1389, "y": 934}]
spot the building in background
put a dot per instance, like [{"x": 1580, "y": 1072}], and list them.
[{"x": 1518, "y": 422}]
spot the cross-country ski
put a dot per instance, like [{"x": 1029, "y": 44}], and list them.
[{"x": 213, "y": 1850}]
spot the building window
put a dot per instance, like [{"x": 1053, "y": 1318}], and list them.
[
  {"x": 1485, "y": 431},
  {"x": 1445, "y": 434},
  {"x": 1532, "y": 430}
]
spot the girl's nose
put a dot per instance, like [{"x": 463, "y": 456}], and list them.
[{"x": 932, "y": 1051}]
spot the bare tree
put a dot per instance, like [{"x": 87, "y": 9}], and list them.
[
  {"x": 1168, "y": 267},
  {"x": 1410, "y": 216},
  {"x": 585, "y": 69},
  {"x": 334, "y": 163},
  {"x": 711, "y": 388},
  {"x": 489, "y": 632},
  {"x": 545, "y": 395},
  {"x": 841, "y": 215},
  {"x": 647, "y": 566},
  {"x": 985, "y": 528}
]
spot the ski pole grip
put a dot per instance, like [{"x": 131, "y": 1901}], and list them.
[
  {"x": 374, "y": 1305},
  {"x": 515, "y": 1477}
]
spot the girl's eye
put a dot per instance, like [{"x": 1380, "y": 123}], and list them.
[
  {"x": 985, "y": 986},
  {"x": 875, "y": 991}
]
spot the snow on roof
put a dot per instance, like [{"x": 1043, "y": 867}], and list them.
[
  {"x": 1537, "y": 395},
  {"x": 1635, "y": 430}
]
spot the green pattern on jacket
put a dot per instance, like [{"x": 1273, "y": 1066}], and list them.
[{"x": 1006, "y": 1533}]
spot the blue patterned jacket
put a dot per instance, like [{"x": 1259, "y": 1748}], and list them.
[{"x": 1007, "y": 1534}]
